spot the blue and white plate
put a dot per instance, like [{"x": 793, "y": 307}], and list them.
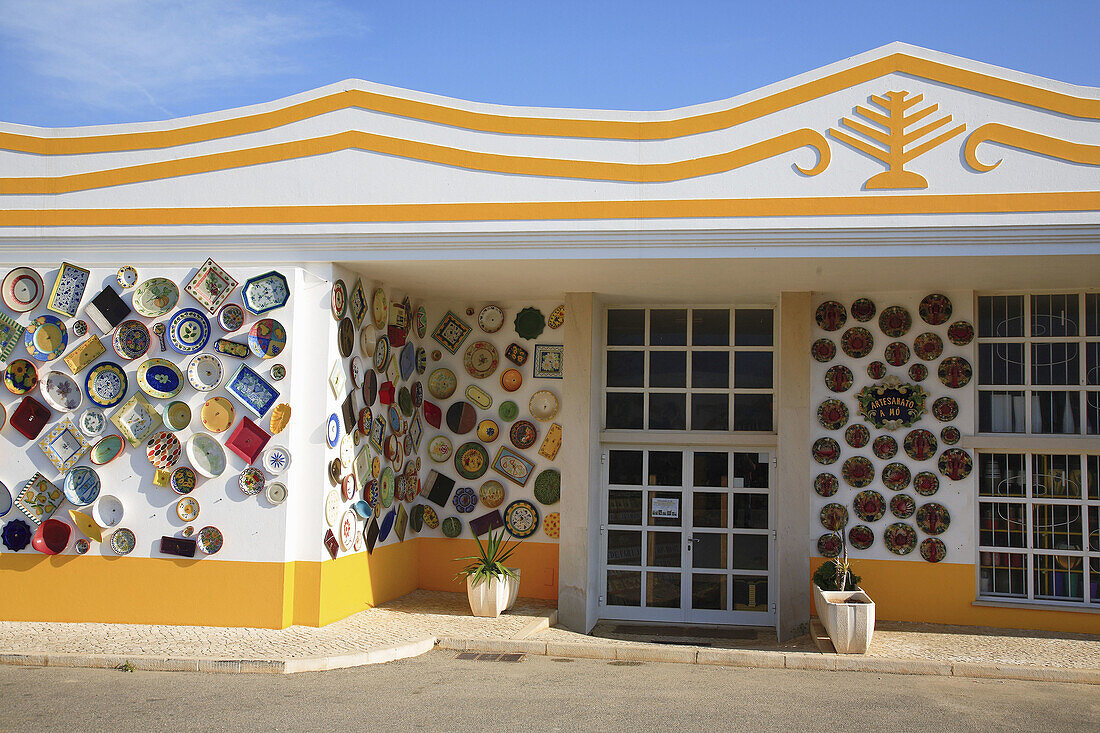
[
  {"x": 159, "y": 378},
  {"x": 82, "y": 486},
  {"x": 332, "y": 430},
  {"x": 265, "y": 293},
  {"x": 105, "y": 384},
  {"x": 46, "y": 338},
  {"x": 252, "y": 391},
  {"x": 465, "y": 500},
  {"x": 188, "y": 331}
]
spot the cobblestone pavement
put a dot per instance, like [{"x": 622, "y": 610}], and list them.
[{"x": 415, "y": 616}]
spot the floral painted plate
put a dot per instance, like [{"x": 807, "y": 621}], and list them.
[
  {"x": 825, "y": 451},
  {"x": 863, "y": 309},
  {"x": 251, "y": 481},
  {"x": 834, "y": 516},
  {"x": 492, "y": 493},
  {"x": 123, "y": 541},
  {"x": 857, "y": 342},
  {"x": 823, "y": 350},
  {"x": 900, "y": 538},
  {"x": 858, "y": 472},
  {"x": 932, "y": 549},
  {"x": 183, "y": 480},
  {"x": 825, "y": 484},
  {"x": 896, "y": 476},
  {"x": 869, "y": 505},
  {"x": 471, "y": 461},
  {"x": 861, "y": 536},
  {"x": 481, "y": 359},
  {"x": 928, "y": 346},
  {"x": 829, "y": 545},
  {"x": 187, "y": 509},
  {"x": 955, "y": 372},
  {"x": 920, "y": 444},
  {"x": 92, "y": 422},
  {"x": 230, "y": 317},
  {"x": 523, "y": 434},
  {"x": 832, "y": 414},
  {"x": 267, "y": 339},
  {"x": 464, "y": 500},
  {"x": 926, "y": 483},
  {"x": 442, "y": 383},
  {"x": 60, "y": 391},
  {"x": 188, "y": 331},
  {"x": 884, "y": 447},
  {"x": 838, "y": 378},
  {"x": 918, "y": 372},
  {"x": 896, "y": 353},
  {"x": 21, "y": 376},
  {"x": 204, "y": 372},
  {"x": 933, "y": 518},
  {"x": 950, "y": 435},
  {"x": 945, "y": 409},
  {"x": 857, "y": 435},
  {"x": 105, "y": 384},
  {"x": 46, "y": 338},
  {"x": 902, "y": 506},
  {"x": 155, "y": 297},
  {"x": 960, "y": 333},
  {"x": 830, "y": 315},
  {"x": 209, "y": 540},
  {"x": 131, "y": 340},
  {"x": 276, "y": 459},
  {"x": 440, "y": 448},
  {"x": 935, "y": 309},
  {"x": 521, "y": 519},
  {"x": 876, "y": 370},
  {"x": 955, "y": 464},
  {"x": 895, "y": 321}
]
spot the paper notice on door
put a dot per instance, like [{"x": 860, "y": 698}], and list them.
[{"x": 666, "y": 508}]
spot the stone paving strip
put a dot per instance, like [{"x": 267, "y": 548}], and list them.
[{"x": 423, "y": 620}]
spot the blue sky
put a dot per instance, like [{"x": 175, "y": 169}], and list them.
[{"x": 83, "y": 62}]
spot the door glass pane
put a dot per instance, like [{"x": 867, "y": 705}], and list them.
[
  {"x": 752, "y": 369},
  {"x": 752, "y": 412},
  {"x": 624, "y": 547},
  {"x": 750, "y": 511},
  {"x": 1054, "y": 315},
  {"x": 710, "y": 369},
  {"x": 753, "y": 327},
  {"x": 667, "y": 411},
  {"x": 1000, "y": 316},
  {"x": 663, "y": 549},
  {"x": 709, "y": 550},
  {"x": 624, "y": 507},
  {"x": 750, "y": 470},
  {"x": 750, "y": 593},
  {"x": 662, "y": 590},
  {"x": 711, "y": 469},
  {"x": 750, "y": 552},
  {"x": 665, "y": 509},
  {"x": 626, "y": 327},
  {"x": 668, "y": 369},
  {"x": 709, "y": 509},
  {"x": 668, "y": 327},
  {"x": 710, "y": 327},
  {"x": 625, "y": 467},
  {"x": 624, "y": 411},
  {"x": 666, "y": 468},
  {"x": 624, "y": 588},
  {"x": 625, "y": 369},
  {"x": 710, "y": 411},
  {"x": 708, "y": 592}
]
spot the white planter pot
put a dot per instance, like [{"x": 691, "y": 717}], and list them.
[
  {"x": 513, "y": 589},
  {"x": 850, "y": 624},
  {"x": 488, "y": 598}
]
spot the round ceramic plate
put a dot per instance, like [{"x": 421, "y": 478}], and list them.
[
  {"x": 60, "y": 391},
  {"x": 471, "y": 460},
  {"x": 187, "y": 508},
  {"x": 511, "y": 380},
  {"x": 159, "y": 378},
  {"x": 863, "y": 309},
  {"x": 950, "y": 435},
  {"x": 488, "y": 431},
  {"x": 548, "y": 486},
  {"x": 955, "y": 372},
  {"x": 126, "y": 277},
  {"x": 830, "y": 315},
  {"x": 896, "y": 476},
  {"x": 21, "y": 376},
  {"x": 339, "y": 302},
  {"x": 895, "y": 321},
  {"x": 21, "y": 289},
  {"x": 823, "y": 350},
  {"x": 381, "y": 354},
  {"x": 92, "y": 422},
  {"x": 900, "y": 538},
  {"x": 275, "y": 492},
  {"x": 829, "y": 545},
  {"x": 464, "y": 500},
  {"x": 490, "y": 319},
  {"x": 105, "y": 384},
  {"x": 832, "y": 414},
  {"x": 442, "y": 383},
  {"x": 902, "y": 506},
  {"x": 861, "y": 536},
  {"x": 857, "y": 342},
  {"x": 932, "y": 549},
  {"x": 928, "y": 346},
  {"x": 379, "y": 308},
  {"x": 276, "y": 459},
  {"x": 108, "y": 511},
  {"x": 440, "y": 448},
  {"x": 521, "y": 519},
  {"x": 825, "y": 451},
  {"x": 926, "y": 483},
  {"x": 492, "y": 493},
  {"x": 481, "y": 359},
  {"x": 230, "y": 317},
  {"x": 543, "y": 405},
  {"x": 918, "y": 372},
  {"x": 204, "y": 372},
  {"x": 5, "y": 499},
  {"x": 935, "y": 309},
  {"x": 884, "y": 447},
  {"x": 833, "y": 516},
  {"x": 857, "y": 435},
  {"x": 960, "y": 333},
  {"x": 155, "y": 297},
  {"x": 267, "y": 338},
  {"x": 955, "y": 464},
  {"x": 81, "y": 486},
  {"x": 826, "y": 484},
  {"x": 386, "y": 486},
  {"x": 131, "y": 339},
  {"x": 251, "y": 481},
  {"x": 896, "y": 353},
  {"x": 919, "y": 444},
  {"x": 209, "y": 540},
  {"x": 332, "y": 430},
  {"x": 106, "y": 450},
  {"x": 508, "y": 411},
  {"x": 838, "y": 378},
  {"x": 347, "y": 530},
  {"x": 188, "y": 331},
  {"x": 46, "y": 338},
  {"x": 206, "y": 455},
  {"x": 523, "y": 434},
  {"x": 177, "y": 415},
  {"x": 945, "y": 409},
  {"x": 217, "y": 414},
  {"x": 183, "y": 480},
  {"x": 123, "y": 541},
  {"x": 857, "y": 472},
  {"x": 869, "y": 505},
  {"x": 163, "y": 449},
  {"x": 876, "y": 370}
]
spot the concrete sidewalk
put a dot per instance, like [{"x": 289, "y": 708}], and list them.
[{"x": 416, "y": 623}]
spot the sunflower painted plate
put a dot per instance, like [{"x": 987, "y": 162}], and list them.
[
  {"x": 187, "y": 509},
  {"x": 895, "y": 321},
  {"x": 834, "y": 516},
  {"x": 838, "y": 378},
  {"x": 857, "y": 342},
  {"x": 825, "y": 484},
  {"x": 857, "y": 472},
  {"x": 869, "y": 505},
  {"x": 900, "y": 538},
  {"x": 830, "y": 315},
  {"x": 896, "y": 476},
  {"x": 857, "y": 435}
]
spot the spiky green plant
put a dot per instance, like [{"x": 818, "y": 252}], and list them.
[{"x": 489, "y": 562}]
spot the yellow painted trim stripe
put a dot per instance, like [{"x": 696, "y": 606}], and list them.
[
  {"x": 1028, "y": 141},
  {"x": 565, "y": 210},
  {"x": 491, "y": 162},
  {"x": 1056, "y": 102}
]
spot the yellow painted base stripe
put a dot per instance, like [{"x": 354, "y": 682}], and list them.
[
  {"x": 870, "y": 205},
  {"x": 537, "y": 561}
]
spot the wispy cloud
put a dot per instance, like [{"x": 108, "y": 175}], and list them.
[{"x": 133, "y": 54}]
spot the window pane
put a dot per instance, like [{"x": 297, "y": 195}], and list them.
[
  {"x": 1003, "y": 574},
  {"x": 752, "y": 369},
  {"x": 1056, "y": 527},
  {"x": 710, "y": 369},
  {"x": 753, "y": 327},
  {"x": 668, "y": 369},
  {"x": 1055, "y": 412},
  {"x": 624, "y": 411},
  {"x": 750, "y": 593},
  {"x": 710, "y": 327},
  {"x": 1055, "y": 363},
  {"x": 624, "y": 548},
  {"x": 624, "y": 507},
  {"x": 1054, "y": 315},
  {"x": 1056, "y": 476},
  {"x": 1001, "y": 525},
  {"x": 624, "y": 588},
  {"x": 710, "y": 412},
  {"x": 710, "y": 509},
  {"x": 708, "y": 591},
  {"x": 1059, "y": 577},
  {"x": 712, "y": 469},
  {"x": 668, "y": 327},
  {"x": 752, "y": 412},
  {"x": 709, "y": 550},
  {"x": 1094, "y": 535},
  {"x": 625, "y": 369},
  {"x": 750, "y": 552},
  {"x": 1092, "y": 327},
  {"x": 1002, "y": 412},
  {"x": 750, "y": 470},
  {"x": 662, "y": 590},
  {"x": 750, "y": 511},
  {"x": 1000, "y": 363},
  {"x": 625, "y": 467},
  {"x": 1001, "y": 474},
  {"x": 665, "y": 510},
  {"x": 1092, "y": 413},
  {"x": 1092, "y": 363},
  {"x": 1093, "y": 463},
  {"x": 663, "y": 549},
  {"x": 1000, "y": 316},
  {"x": 666, "y": 468},
  {"x": 667, "y": 411},
  {"x": 626, "y": 327}
]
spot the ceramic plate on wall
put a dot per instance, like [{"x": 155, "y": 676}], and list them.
[
  {"x": 22, "y": 289},
  {"x": 206, "y": 455},
  {"x": 209, "y": 540},
  {"x": 187, "y": 509},
  {"x": 490, "y": 319},
  {"x": 230, "y": 317},
  {"x": 131, "y": 339},
  {"x": 60, "y": 391},
  {"x": 543, "y": 405},
  {"x": 155, "y": 297},
  {"x": 204, "y": 372},
  {"x": 46, "y": 338},
  {"x": 159, "y": 378}
]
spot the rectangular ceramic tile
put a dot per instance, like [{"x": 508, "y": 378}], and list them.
[
  {"x": 548, "y": 361},
  {"x": 39, "y": 499},
  {"x": 11, "y": 333},
  {"x": 252, "y": 391},
  {"x": 68, "y": 289},
  {"x": 84, "y": 354}
]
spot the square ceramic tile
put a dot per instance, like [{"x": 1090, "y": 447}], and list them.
[
  {"x": 64, "y": 444},
  {"x": 136, "y": 419},
  {"x": 451, "y": 332},
  {"x": 548, "y": 361},
  {"x": 210, "y": 286},
  {"x": 39, "y": 499}
]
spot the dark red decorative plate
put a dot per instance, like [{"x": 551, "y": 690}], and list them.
[
  {"x": 900, "y": 538},
  {"x": 861, "y": 536},
  {"x": 896, "y": 353},
  {"x": 918, "y": 372},
  {"x": 950, "y": 435},
  {"x": 896, "y": 476},
  {"x": 945, "y": 409},
  {"x": 830, "y": 315},
  {"x": 955, "y": 372},
  {"x": 857, "y": 435},
  {"x": 834, "y": 516},
  {"x": 926, "y": 483},
  {"x": 838, "y": 378},
  {"x": 884, "y": 447},
  {"x": 895, "y": 321},
  {"x": 876, "y": 370},
  {"x": 955, "y": 464},
  {"x": 863, "y": 309},
  {"x": 858, "y": 472},
  {"x": 828, "y": 545},
  {"x": 831, "y": 414},
  {"x": 902, "y": 506},
  {"x": 935, "y": 309},
  {"x": 826, "y": 451},
  {"x": 960, "y": 333},
  {"x": 869, "y": 505},
  {"x": 823, "y": 350},
  {"x": 857, "y": 342},
  {"x": 932, "y": 549},
  {"x": 933, "y": 518},
  {"x": 928, "y": 346},
  {"x": 919, "y": 444},
  {"x": 247, "y": 440},
  {"x": 825, "y": 484}
]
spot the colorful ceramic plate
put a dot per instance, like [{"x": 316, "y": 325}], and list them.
[
  {"x": 60, "y": 391},
  {"x": 481, "y": 359},
  {"x": 861, "y": 537},
  {"x": 945, "y": 409},
  {"x": 188, "y": 331},
  {"x": 209, "y": 540},
  {"x": 187, "y": 509},
  {"x": 265, "y": 293},
  {"x": 876, "y": 370},
  {"x": 131, "y": 340},
  {"x": 381, "y": 354},
  {"x": 825, "y": 484},
  {"x": 230, "y": 317},
  {"x": 251, "y": 390},
  {"x": 217, "y": 414},
  {"x": 933, "y": 518},
  {"x": 464, "y": 500},
  {"x": 105, "y": 384},
  {"x": 825, "y": 451},
  {"x": 858, "y": 472},
  {"x": 926, "y": 483},
  {"x": 833, "y": 516},
  {"x": 183, "y": 480},
  {"x": 896, "y": 476},
  {"x": 276, "y": 459},
  {"x": 823, "y": 350},
  {"x": 954, "y": 372},
  {"x": 440, "y": 448},
  {"x": 81, "y": 486},
  {"x": 471, "y": 460},
  {"x": 884, "y": 447},
  {"x": 163, "y": 449},
  {"x": 857, "y": 435},
  {"x": 123, "y": 541},
  {"x": 492, "y": 493},
  {"x": 159, "y": 378},
  {"x": 955, "y": 464},
  {"x": 950, "y": 435},
  {"x": 896, "y": 353},
  {"x": 46, "y": 338},
  {"x": 902, "y": 506},
  {"x": 206, "y": 455},
  {"x": 838, "y": 378},
  {"x": 830, "y": 315},
  {"x": 521, "y": 519},
  {"x": 348, "y": 527},
  {"x": 829, "y": 545},
  {"x": 251, "y": 481},
  {"x": 92, "y": 422},
  {"x": 895, "y": 321},
  {"x": 508, "y": 411},
  {"x": 935, "y": 309},
  {"x": 928, "y": 346},
  {"x": 462, "y": 418},
  {"x": 386, "y": 487},
  {"x": 932, "y": 549},
  {"x": 919, "y": 444},
  {"x": 900, "y": 538},
  {"x": 488, "y": 430},
  {"x": 204, "y": 372},
  {"x": 918, "y": 372},
  {"x": 155, "y": 297},
  {"x": 106, "y": 450},
  {"x": 339, "y": 300},
  {"x": 869, "y": 505},
  {"x": 863, "y": 309},
  {"x": 379, "y": 308},
  {"x": 21, "y": 376},
  {"x": 548, "y": 486},
  {"x": 490, "y": 319},
  {"x": 22, "y": 289},
  {"x": 832, "y": 414},
  {"x": 960, "y": 333},
  {"x": 523, "y": 434},
  {"x": 267, "y": 338},
  {"x": 857, "y": 342}
]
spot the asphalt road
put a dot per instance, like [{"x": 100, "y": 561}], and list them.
[{"x": 437, "y": 692}]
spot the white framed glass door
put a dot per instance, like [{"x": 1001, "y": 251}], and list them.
[{"x": 687, "y": 535}]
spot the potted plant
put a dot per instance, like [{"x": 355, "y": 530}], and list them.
[
  {"x": 490, "y": 585},
  {"x": 845, "y": 610}
]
